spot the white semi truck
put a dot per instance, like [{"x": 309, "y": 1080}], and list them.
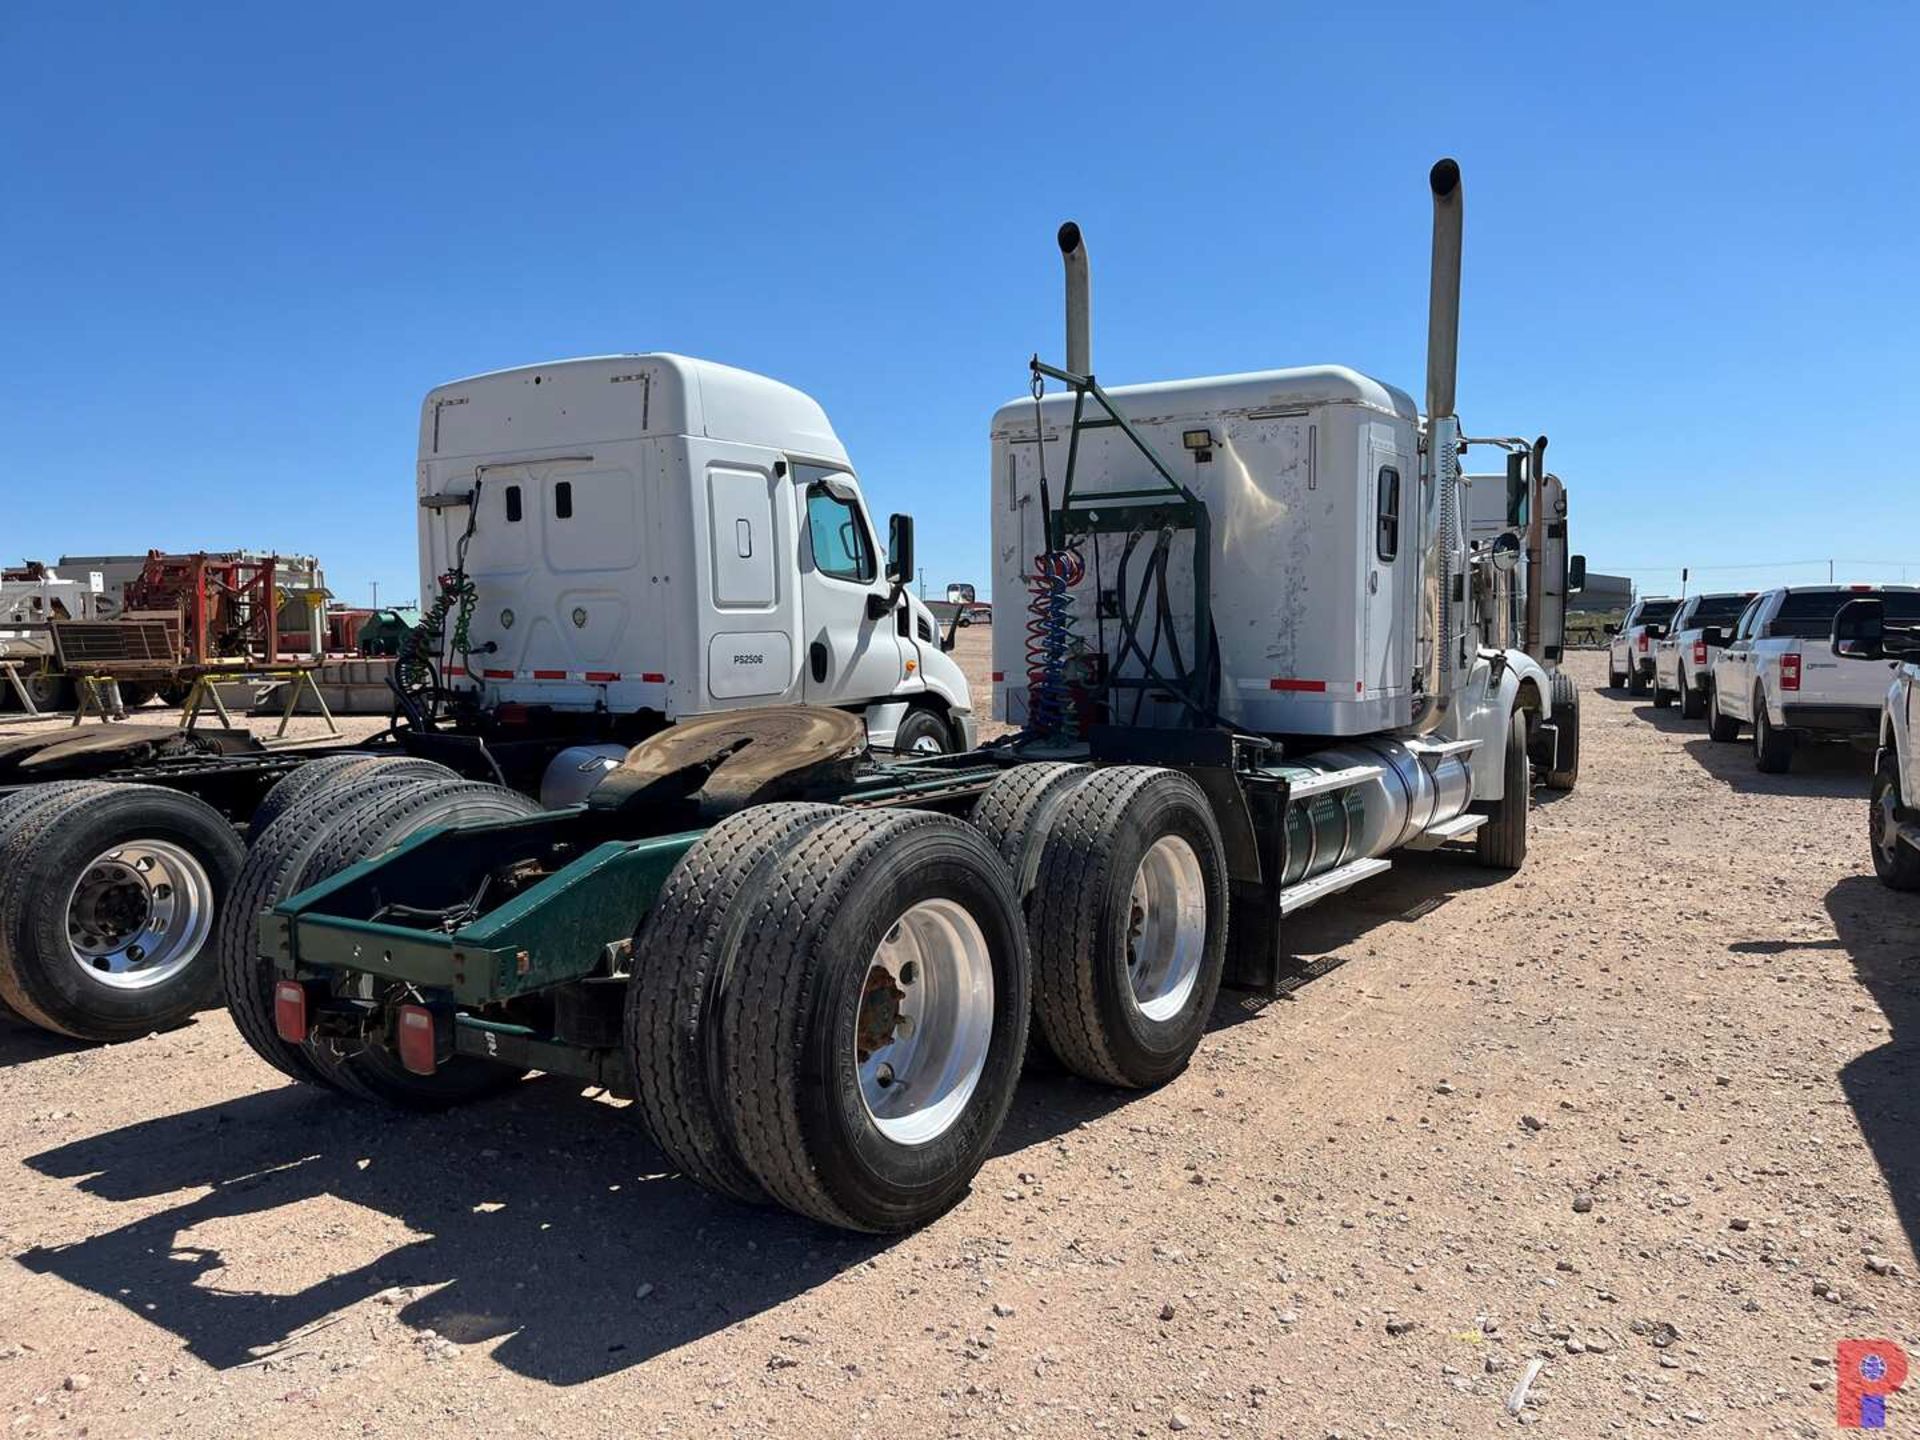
[
  {"x": 613, "y": 546},
  {"x": 661, "y": 537},
  {"x": 1249, "y": 673},
  {"x": 1518, "y": 528}
]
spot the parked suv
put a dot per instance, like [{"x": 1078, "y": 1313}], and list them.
[
  {"x": 1683, "y": 658},
  {"x": 1779, "y": 674},
  {"x": 1630, "y": 653},
  {"x": 1861, "y": 635}
]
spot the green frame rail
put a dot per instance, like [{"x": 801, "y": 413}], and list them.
[{"x": 571, "y": 924}]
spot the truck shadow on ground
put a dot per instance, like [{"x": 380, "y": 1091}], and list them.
[
  {"x": 21, "y": 1042},
  {"x": 543, "y": 1220},
  {"x": 1880, "y": 930},
  {"x": 1321, "y": 937},
  {"x": 1837, "y": 771}
]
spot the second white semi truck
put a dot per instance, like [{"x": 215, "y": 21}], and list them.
[{"x": 610, "y": 547}]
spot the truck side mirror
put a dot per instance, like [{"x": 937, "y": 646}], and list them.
[
  {"x": 1860, "y": 630},
  {"x": 899, "y": 566},
  {"x": 900, "y": 549},
  {"x": 1506, "y": 552},
  {"x": 1576, "y": 574},
  {"x": 1611, "y": 629}
]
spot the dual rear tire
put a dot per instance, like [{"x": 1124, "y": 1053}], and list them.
[
  {"x": 111, "y": 900},
  {"x": 337, "y": 825},
  {"x": 829, "y": 1008}
]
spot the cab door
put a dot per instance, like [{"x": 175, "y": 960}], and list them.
[
  {"x": 850, "y": 654},
  {"x": 1733, "y": 675}
]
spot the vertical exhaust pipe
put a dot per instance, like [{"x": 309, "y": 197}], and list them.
[
  {"x": 1443, "y": 294},
  {"x": 1536, "y": 550},
  {"x": 1073, "y": 252},
  {"x": 1439, "y": 628}
]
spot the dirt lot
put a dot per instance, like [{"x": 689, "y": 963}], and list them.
[{"x": 1645, "y": 1110}]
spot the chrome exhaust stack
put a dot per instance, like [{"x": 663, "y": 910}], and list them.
[
  {"x": 1536, "y": 550},
  {"x": 1073, "y": 252},
  {"x": 1439, "y": 639},
  {"x": 1443, "y": 290}
]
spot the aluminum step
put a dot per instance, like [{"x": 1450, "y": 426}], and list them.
[
  {"x": 1332, "y": 883},
  {"x": 1440, "y": 749},
  {"x": 1458, "y": 828},
  {"x": 1334, "y": 780}
]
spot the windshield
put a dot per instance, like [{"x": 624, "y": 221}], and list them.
[{"x": 1808, "y": 614}]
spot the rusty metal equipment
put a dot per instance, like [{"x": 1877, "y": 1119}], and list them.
[{"x": 236, "y": 606}]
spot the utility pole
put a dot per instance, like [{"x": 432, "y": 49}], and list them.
[
  {"x": 1829, "y": 572},
  {"x": 376, "y": 594},
  {"x": 923, "y": 582}
]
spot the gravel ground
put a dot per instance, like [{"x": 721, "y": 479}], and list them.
[
  {"x": 1644, "y": 1111},
  {"x": 302, "y": 729}
]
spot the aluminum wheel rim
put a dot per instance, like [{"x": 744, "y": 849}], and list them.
[
  {"x": 926, "y": 745},
  {"x": 1886, "y": 828},
  {"x": 1166, "y": 928},
  {"x": 139, "y": 913},
  {"x": 925, "y": 1022}
]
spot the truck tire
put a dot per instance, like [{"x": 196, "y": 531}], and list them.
[
  {"x": 1564, "y": 696},
  {"x": 1723, "y": 728},
  {"x": 372, "y": 823},
  {"x": 1661, "y": 698},
  {"x": 1636, "y": 681},
  {"x": 13, "y": 805},
  {"x": 311, "y": 779},
  {"x": 1772, "y": 747},
  {"x": 1693, "y": 700},
  {"x": 278, "y": 864},
  {"x": 49, "y": 690},
  {"x": 1616, "y": 679},
  {"x": 1017, "y": 811},
  {"x": 873, "y": 1026},
  {"x": 682, "y": 960},
  {"x": 922, "y": 732},
  {"x": 1501, "y": 843},
  {"x": 1894, "y": 861},
  {"x": 1129, "y": 923},
  {"x": 110, "y": 904}
]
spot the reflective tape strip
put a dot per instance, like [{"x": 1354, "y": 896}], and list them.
[{"x": 1309, "y": 687}]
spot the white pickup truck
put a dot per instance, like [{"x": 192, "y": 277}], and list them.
[
  {"x": 1778, "y": 673},
  {"x": 1683, "y": 657},
  {"x": 1630, "y": 652},
  {"x": 1862, "y": 635}
]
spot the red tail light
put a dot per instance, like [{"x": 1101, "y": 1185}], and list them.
[
  {"x": 290, "y": 1011},
  {"x": 419, "y": 1048},
  {"x": 1790, "y": 672},
  {"x": 1643, "y": 639},
  {"x": 1699, "y": 652}
]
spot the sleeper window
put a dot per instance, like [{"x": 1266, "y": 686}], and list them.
[
  {"x": 513, "y": 504},
  {"x": 563, "y": 500},
  {"x": 1387, "y": 526}
]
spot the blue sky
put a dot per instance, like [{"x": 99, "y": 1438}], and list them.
[{"x": 240, "y": 242}]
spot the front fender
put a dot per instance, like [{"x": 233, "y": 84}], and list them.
[{"x": 1485, "y": 708}]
